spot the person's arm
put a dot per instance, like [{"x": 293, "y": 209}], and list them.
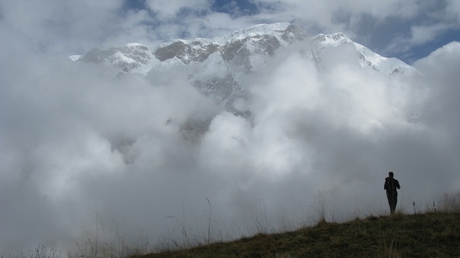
[
  {"x": 397, "y": 184},
  {"x": 385, "y": 186}
]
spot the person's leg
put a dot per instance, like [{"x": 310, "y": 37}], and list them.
[
  {"x": 392, "y": 199},
  {"x": 395, "y": 202},
  {"x": 390, "y": 202}
]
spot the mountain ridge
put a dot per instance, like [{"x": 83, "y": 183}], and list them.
[
  {"x": 196, "y": 50},
  {"x": 218, "y": 65}
]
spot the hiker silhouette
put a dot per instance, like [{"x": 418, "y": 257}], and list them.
[{"x": 391, "y": 184}]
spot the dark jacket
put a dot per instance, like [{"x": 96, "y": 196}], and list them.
[{"x": 391, "y": 185}]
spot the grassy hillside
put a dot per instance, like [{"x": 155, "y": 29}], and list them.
[{"x": 435, "y": 234}]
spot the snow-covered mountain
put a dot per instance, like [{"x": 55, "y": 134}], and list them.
[
  {"x": 224, "y": 68},
  {"x": 217, "y": 66},
  {"x": 365, "y": 57}
]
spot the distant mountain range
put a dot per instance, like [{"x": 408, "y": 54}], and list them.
[
  {"x": 216, "y": 66},
  {"x": 222, "y": 68}
]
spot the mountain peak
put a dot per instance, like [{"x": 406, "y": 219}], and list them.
[{"x": 333, "y": 39}]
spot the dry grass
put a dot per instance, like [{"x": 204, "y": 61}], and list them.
[{"x": 434, "y": 234}]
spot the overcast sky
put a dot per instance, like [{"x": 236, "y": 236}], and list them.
[{"x": 83, "y": 156}]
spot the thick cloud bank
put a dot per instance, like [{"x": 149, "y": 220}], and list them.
[
  {"x": 90, "y": 157},
  {"x": 85, "y": 155}
]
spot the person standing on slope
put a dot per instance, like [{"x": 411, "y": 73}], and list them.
[{"x": 390, "y": 186}]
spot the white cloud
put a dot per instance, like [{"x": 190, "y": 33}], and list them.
[
  {"x": 423, "y": 34},
  {"x": 394, "y": 26},
  {"x": 56, "y": 26},
  {"x": 454, "y": 8},
  {"x": 323, "y": 13},
  {"x": 442, "y": 77},
  {"x": 76, "y": 145}
]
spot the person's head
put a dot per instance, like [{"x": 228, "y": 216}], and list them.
[{"x": 391, "y": 174}]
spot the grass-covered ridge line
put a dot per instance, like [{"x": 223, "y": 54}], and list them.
[{"x": 433, "y": 234}]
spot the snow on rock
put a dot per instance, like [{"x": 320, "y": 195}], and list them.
[
  {"x": 74, "y": 57},
  {"x": 218, "y": 64}
]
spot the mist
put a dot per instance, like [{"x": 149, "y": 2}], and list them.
[
  {"x": 89, "y": 155},
  {"x": 86, "y": 154}
]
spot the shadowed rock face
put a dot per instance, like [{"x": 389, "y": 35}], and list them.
[
  {"x": 96, "y": 56},
  {"x": 175, "y": 49},
  {"x": 195, "y": 51},
  {"x": 219, "y": 88},
  {"x": 293, "y": 33},
  {"x": 239, "y": 52}
]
